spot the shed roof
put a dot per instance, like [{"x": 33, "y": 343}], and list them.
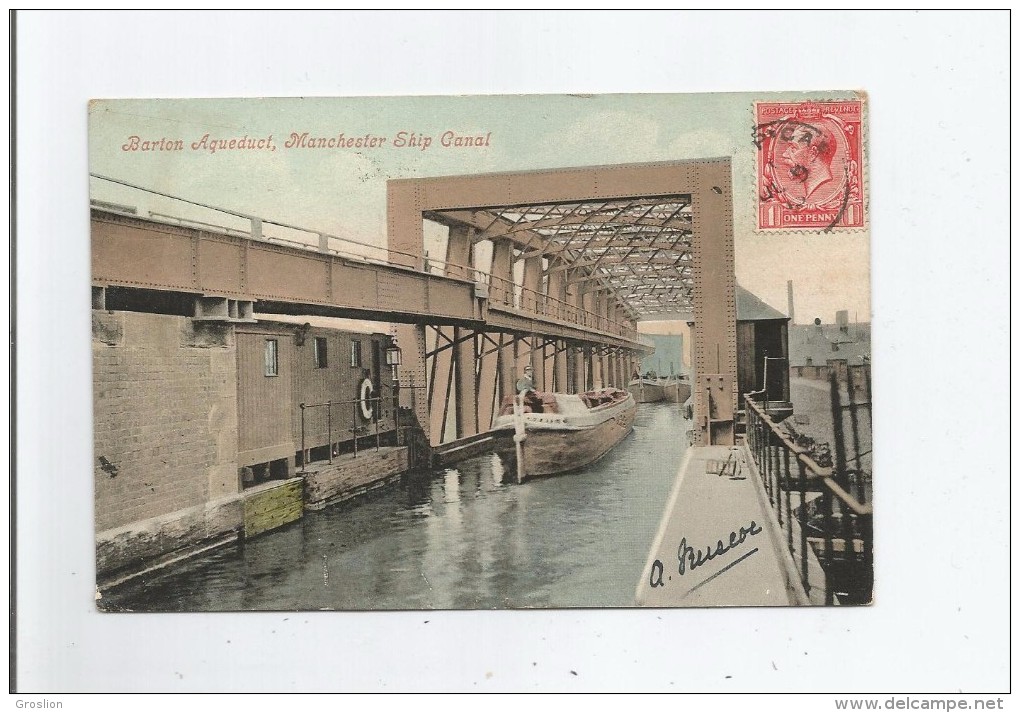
[{"x": 750, "y": 308}]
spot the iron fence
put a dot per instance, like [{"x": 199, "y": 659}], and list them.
[
  {"x": 510, "y": 294},
  {"x": 824, "y": 508},
  {"x": 355, "y": 405},
  {"x": 406, "y": 430}
]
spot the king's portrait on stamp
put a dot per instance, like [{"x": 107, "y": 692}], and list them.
[{"x": 810, "y": 163}]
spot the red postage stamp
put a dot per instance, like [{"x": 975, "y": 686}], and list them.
[{"x": 809, "y": 169}]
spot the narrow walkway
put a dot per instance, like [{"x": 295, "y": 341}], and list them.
[{"x": 724, "y": 534}]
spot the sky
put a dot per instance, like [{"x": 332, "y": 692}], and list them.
[{"x": 342, "y": 191}]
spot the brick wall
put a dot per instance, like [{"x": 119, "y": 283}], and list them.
[{"x": 165, "y": 415}]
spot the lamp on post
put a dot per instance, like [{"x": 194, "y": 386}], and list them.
[
  {"x": 393, "y": 358},
  {"x": 393, "y": 361}
]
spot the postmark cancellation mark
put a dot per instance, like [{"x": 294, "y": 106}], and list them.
[{"x": 809, "y": 165}]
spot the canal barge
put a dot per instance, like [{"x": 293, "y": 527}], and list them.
[
  {"x": 558, "y": 433},
  {"x": 676, "y": 389},
  {"x": 646, "y": 391}
]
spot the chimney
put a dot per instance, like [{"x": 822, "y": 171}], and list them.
[{"x": 843, "y": 321}]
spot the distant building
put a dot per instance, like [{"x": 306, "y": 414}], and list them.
[{"x": 815, "y": 344}]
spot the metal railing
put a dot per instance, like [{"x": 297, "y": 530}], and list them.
[
  {"x": 835, "y": 524},
  {"x": 509, "y": 293},
  {"x": 375, "y": 429},
  {"x": 355, "y": 406},
  {"x": 314, "y": 240}
]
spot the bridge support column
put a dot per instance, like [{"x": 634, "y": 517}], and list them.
[
  {"x": 603, "y": 310},
  {"x": 507, "y": 365},
  {"x": 453, "y": 396},
  {"x": 413, "y": 381},
  {"x": 440, "y": 382},
  {"x": 459, "y": 253},
  {"x": 532, "y": 284},
  {"x": 578, "y": 371},
  {"x": 586, "y": 301},
  {"x": 715, "y": 311},
  {"x": 489, "y": 346},
  {"x": 555, "y": 289},
  {"x": 548, "y": 364},
  {"x": 535, "y": 359},
  {"x": 501, "y": 289},
  {"x": 601, "y": 381},
  {"x": 568, "y": 368},
  {"x": 560, "y": 367},
  {"x": 572, "y": 297},
  {"x": 466, "y": 383}
]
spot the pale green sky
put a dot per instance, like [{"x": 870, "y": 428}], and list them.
[{"x": 343, "y": 191}]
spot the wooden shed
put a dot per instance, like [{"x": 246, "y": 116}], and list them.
[
  {"x": 304, "y": 391},
  {"x": 762, "y": 331}
]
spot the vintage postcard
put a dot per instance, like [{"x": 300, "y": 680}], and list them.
[{"x": 481, "y": 352}]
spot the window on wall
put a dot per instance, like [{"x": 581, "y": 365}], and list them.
[
  {"x": 272, "y": 359},
  {"x": 320, "y": 353},
  {"x": 355, "y": 353}
]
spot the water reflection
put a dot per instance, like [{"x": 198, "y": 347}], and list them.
[{"x": 456, "y": 538}]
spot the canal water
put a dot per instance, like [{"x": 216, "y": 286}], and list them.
[{"x": 456, "y": 538}]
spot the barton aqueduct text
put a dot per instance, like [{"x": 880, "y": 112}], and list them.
[{"x": 305, "y": 140}]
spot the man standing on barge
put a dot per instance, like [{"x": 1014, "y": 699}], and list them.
[{"x": 526, "y": 387}]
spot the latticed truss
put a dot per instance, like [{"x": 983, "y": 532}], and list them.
[{"x": 639, "y": 249}]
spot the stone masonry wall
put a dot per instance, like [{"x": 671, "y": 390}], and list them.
[{"x": 165, "y": 415}]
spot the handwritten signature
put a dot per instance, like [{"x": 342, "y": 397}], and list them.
[{"x": 689, "y": 558}]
